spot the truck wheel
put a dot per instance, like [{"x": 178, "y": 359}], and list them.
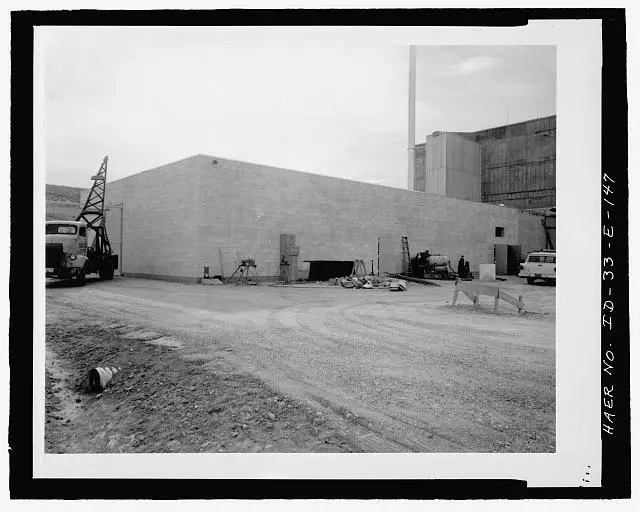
[
  {"x": 80, "y": 277},
  {"x": 106, "y": 271},
  {"x": 530, "y": 280}
]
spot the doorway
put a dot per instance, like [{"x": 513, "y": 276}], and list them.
[
  {"x": 513, "y": 259},
  {"x": 500, "y": 258},
  {"x": 507, "y": 259},
  {"x": 324, "y": 270}
]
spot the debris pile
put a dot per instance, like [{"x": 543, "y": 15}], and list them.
[
  {"x": 364, "y": 282},
  {"x": 398, "y": 285}
]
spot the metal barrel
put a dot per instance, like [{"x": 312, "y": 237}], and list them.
[{"x": 99, "y": 377}]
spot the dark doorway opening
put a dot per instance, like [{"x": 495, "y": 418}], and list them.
[
  {"x": 500, "y": 259},
  {"x": 513, "y": 259},
  {"x": 320, "y": 270}
]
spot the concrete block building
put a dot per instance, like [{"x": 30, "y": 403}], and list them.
[{"x": 206, "y": 211}]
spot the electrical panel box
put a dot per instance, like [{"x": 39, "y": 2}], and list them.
[{"x": 291, "y": 251}]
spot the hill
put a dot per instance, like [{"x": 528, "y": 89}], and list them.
[
  {"x": 63, "y": 203},
  {"x": 60, "y": 193}
]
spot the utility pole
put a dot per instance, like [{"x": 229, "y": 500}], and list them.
[
  {"x": 412, "y": 117},
  {"x": 120, "y": 206}
]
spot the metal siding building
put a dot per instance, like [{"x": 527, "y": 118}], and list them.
[
  {"x": 518, "y": 165},
  {"x": 463, "y": 160},
  {"x": 420, "y": 167},
  {"x": 435, "y": 166},
  {"x": 452, "y": 166}
]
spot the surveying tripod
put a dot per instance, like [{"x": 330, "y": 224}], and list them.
[{"x": 245, "y": 272}]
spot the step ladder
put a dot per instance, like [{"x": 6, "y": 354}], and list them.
[
  {"x": 547, "y": 234},
  {"x": 359, "y": 268},
  {"x": 406, "y": 257},
  {"x": 284, "y": 270}
]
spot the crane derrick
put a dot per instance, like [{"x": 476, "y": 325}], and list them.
[{"x": 93, "y": 212}]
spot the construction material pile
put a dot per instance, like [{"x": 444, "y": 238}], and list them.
[
  {"x": 367, "y": 282},
  {"x": 405, "y": 277}
]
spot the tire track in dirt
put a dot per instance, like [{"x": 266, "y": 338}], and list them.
[
  {"x": 319, "y": 324},
  {"x": 300, "y": 387},
  {"x": 448, "y": 431},
  {"x": 301, "y": 350}
]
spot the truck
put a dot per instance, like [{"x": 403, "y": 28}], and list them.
[{"x": 74, "y": 249}]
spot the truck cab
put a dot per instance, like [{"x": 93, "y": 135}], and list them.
[
  {"x": 80, "y": 247},
  {"x": 66, "y": 249},
  {"x": 539, "y": 265},
  {"x": 73, "y": 250}
]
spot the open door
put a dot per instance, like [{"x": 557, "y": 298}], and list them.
[
  {"x": 500, "y": 257},
  {"x": 513, "y": 259}
]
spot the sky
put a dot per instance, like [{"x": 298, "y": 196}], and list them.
[{"x": 309, "y": 100}]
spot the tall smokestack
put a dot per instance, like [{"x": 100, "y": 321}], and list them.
[{"x": 412, "y": 115}]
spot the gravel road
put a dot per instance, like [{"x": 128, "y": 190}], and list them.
[{"x": 387, "y": 372}]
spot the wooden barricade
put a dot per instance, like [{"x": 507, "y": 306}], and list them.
[{"x": 473, "y": 290}]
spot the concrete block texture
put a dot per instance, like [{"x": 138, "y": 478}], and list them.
[
  {"x": 161, "y": 215},
  {"x": 211, "y": 211}
]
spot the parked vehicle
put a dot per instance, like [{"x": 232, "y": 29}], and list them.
[
  {"x": 69, "y": 255},
  {"x": 539, "y": 265},
  {"x": 77, "y": 248}
]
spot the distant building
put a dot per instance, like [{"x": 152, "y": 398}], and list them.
[
  {"x": 512, "y": 165},
  {"x": 449, "y": 165}
]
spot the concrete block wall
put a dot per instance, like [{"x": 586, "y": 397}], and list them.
[
  {"x": 161, "y": 215},
  {"x": 336, "y": 219},
  {"x": 183, "y": 216}
]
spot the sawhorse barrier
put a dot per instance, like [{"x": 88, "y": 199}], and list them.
[{"x": 473, "y": 290}]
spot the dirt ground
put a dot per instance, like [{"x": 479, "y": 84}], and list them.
[{"x": 307, "y": 368}]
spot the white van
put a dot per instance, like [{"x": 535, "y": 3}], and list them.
[{"x": 539, "y": 265}]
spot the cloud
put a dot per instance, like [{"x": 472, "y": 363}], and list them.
[{"x": 473, "y": 65}]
